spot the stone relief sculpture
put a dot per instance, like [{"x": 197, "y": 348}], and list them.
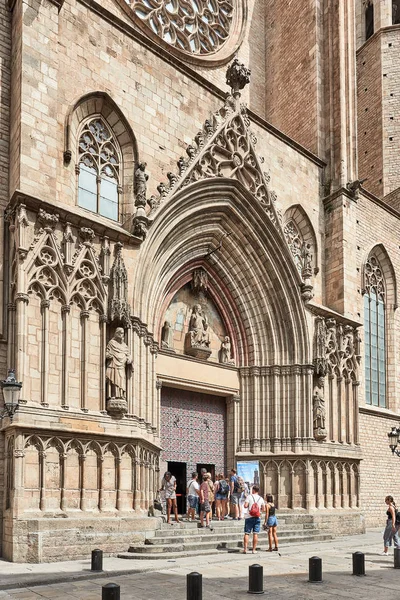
[
  {"x": 197, "y": 339},
  {"x": 118, "y": 359},
  {"x": 225, "y": 353},
  {"x": 319, "y": 413}
]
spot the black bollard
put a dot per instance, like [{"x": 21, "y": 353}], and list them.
[
  {"x": 315, "y": 570},
  {"x": 358, "y": 563},
  {"x": 397, "y": 558},
  {"x": 97, "y": 560},
  {"x": 194, "y": 586},
  {"x": 110, "y": 591},
  {"x": 256, "y": 583}
]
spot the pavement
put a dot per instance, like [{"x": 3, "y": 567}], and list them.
[{"x": 224, "y": 575}]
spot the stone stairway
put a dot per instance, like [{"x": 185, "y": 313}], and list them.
[{"x": 188, "y": 539}]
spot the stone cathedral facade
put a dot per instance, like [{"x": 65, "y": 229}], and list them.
[{"x": 200, "y": 241}]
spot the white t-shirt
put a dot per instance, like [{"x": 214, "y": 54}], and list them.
[
  {"x": 193, "y": 486},
  {"x": 251, "y": 499}
]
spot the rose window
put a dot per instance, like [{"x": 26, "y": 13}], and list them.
[{"x": 197, "y": 28}]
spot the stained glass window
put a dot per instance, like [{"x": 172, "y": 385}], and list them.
[
  {"x": 374, "y": 334},
  {"x": 98, "y": 170}
]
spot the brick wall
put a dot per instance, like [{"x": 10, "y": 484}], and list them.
[
  {"x": 390, "y": 46},
  {"x": 369, "y": 112},
  {"x": 292, "y": 74},
  {"x": 379, "y": 468}
]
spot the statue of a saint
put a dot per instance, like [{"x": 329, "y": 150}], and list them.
[
  {"x": 118, "y": 357},
  {"x": 141, "y": 178},
  {"x": 166, "y": 335},
  {"x": 197, "y": 339},
  {"x": 198, "y": 328},
  {"x": 319, "y": 412},
  {"x": 225, "y": 351}
]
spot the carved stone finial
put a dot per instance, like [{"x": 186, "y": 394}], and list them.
[
  {"x": 87, "y": 235},
  {"x": 237, "y": 77},
  {"x": 47, "y": 220}
]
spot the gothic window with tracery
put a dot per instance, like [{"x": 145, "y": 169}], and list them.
[
  {"x": 374, "y": 333},
  {"x": 193, "y": 26},
  {"x": 295, "y": 243},
  {"x": 99, "y": 170}
]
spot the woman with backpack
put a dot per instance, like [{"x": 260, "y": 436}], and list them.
[
  {"x": 221, "y": 490},
  {"x": 271, "y": 523},
  {"x": 392, "y": 526}
]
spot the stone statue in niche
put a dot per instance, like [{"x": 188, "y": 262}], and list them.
[
  {"x": 118, "y": 359},
  {"x": 225, "y": 352},
  {"x": 319, "y": 412},
  {"x": 197, "y": 339},
  {"x": 166, "y": 336},
  {"x": 141, "y": 178}
]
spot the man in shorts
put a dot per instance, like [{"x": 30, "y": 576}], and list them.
[
  {"x": 236, "y": 492},
  {"x": 193, "y": 492},
  {"x": 252, "y": 524}
]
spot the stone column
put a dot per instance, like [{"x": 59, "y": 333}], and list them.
[
  {"x": 355, "y": 408},
  {"x": 118, "y": 482},
  {"x": 44, "y": 307},
  {"x": 21, "y": 303},
  {"x": 102, "y": 370},
  {"x": 42, "y": 476},
  {"x": 158, "y": 405},
  {"x": 17, "y": 499},
  {"x": 66, "y": 329},
  {"x": 63, "y": 458},
  {"x": 276, "y": 378},
  {"x": 84, "y": 358},
  {"x": 100, "y": 467},
  {"x": 254, "y": 411},
  {"x": 83, "y": 499}
]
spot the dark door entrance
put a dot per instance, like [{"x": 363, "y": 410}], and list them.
[
  {"x": 208, "y": 468},
  {"x": 178, "y": 470}
]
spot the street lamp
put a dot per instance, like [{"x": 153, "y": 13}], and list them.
[
  {"x": 394, "y": 438},
  {"x": 11, "y": 390}
]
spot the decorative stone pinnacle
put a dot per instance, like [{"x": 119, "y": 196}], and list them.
[{"x": 237, "y": 77}]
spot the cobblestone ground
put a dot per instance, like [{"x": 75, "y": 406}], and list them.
[{"x": 224, "y": 576}]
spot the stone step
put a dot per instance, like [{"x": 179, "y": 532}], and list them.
[
  {"x": 193, "y": 528},
  {"x": 211, "y": 543},
  {"x": 200, "y": 550},
  {"x": 204, "y": 534}
]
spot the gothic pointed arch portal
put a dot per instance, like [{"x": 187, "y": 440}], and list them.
[{"x": 255, "y": 280}]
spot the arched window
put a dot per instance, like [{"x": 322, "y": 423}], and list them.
[
  {"x": 98, "y": 169},
  {"x": 375, "y": 333},
  {"x": 396, "y": 12},
  {"x": 369, "y": 20}
]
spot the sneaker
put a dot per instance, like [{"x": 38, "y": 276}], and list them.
[{"x": 384, "y": 553}]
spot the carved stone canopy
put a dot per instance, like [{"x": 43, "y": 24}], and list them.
[{"x": 118, "y": 307}]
